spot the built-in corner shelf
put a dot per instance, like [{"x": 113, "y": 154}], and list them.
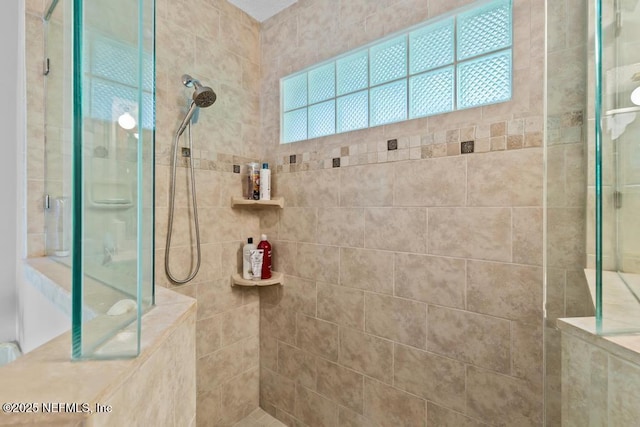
[
  {"x": 276, "y": 279},
  {"x": 242, "y": 202}
]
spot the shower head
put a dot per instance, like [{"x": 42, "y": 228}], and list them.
[{"x": 203, "y": 96}]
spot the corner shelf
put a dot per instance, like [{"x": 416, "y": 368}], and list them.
[
  {"x": 242, "y": 202},
  {"x": 276, "y": 279}
]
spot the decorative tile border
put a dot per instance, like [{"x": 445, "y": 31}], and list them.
[{"x": 499, "y": 136}]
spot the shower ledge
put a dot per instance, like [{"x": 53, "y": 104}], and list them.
[
  {"x": 47, "y": 373},
  {"x": 620, "y": 333},
  {"x": 276, "y": 279},
  {"x": 242, "y": 202}
]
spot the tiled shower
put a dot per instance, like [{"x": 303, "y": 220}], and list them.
[{"x": 413, "y": 286}]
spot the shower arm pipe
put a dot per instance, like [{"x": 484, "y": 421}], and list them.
[{"x": 193, "y": 272}]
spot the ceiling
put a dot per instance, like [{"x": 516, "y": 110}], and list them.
[{"x": 262, "y": 10}]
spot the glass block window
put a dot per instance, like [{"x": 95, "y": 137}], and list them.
[{"x": 457, "y": 61}]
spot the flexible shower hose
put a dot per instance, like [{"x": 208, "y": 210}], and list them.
[{"x": 172, "y": 197}]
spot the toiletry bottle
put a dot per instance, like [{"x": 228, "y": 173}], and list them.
[
  {"x": 247, "y": 271},
  {"x": 266, "y": 257},
  {"x": 265, "y": 182},
  {"x": 253, "y": 181}
]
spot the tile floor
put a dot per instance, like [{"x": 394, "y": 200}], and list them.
[{"x": 259, "y": 418}]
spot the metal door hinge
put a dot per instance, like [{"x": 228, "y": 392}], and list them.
[
  {"x": 47, "y": 201},
  {"x": 617, "y": 199},
  {"x": 46, "y": 68}
]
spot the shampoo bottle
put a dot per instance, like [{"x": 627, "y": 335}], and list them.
[
  {"x": 247, "y": 270},
  {"x": 265, "y": 182},
  {"x": 266, "y": 257}
]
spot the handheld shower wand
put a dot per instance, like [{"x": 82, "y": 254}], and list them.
[{"x": 203, "y": 96}]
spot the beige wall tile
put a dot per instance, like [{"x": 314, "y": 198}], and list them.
[
  {"x": 499, "y": 399},
  {"x": 239, "y": 323},
  {"x": 236, "y": 403},
  {"x": 491, "y": 184},
  {"x": 624, "y": 384},
  {"x": 566, "y": 239},
  {"x": 473, "y": 338},
  {"x": 318, "y": 188},
  {"x": 341, "y": 305},
  {"x": 480, "y": 233},
  {"x": 297, "y": 365},
  {"x": 348, "y": 418},
  {"x": 284, "y": 257},
  {"x": 298, "y": 224},
  {"x": 277, "y": 390},
  {"x": 315, "y": 410},
  {"x": 431, "y": 182},
  {"x": 397, "y": 319},
  {"x": 341, "y": 227},
  {"x": 208, "y": 336},
  {"x": 526, "y": 353},
  {"x": 278, "y": 323},
  {"x": 527, "y": 236},
  {"x": 216, "y": 296},
  {"x": 365, "y": 353},
  {"x": 396, "y": 229},
  {"x": 435, "y": 378},
  {"x": 317, "y": 337},
  {"x": 370, "y": 185},
  {"x": 341, "y": 385},
  {"x": 434, "y": 280},
  {"x": 366, "y": 269},
  {"x": 505, "y": 290},
  {"x": 318, "y": 262},
  {"x": 439, "y": 416},
  {"x": 297, "y": 295},
  {"x": 390, "y": 407},
  {"x": 217, "y": 368}
]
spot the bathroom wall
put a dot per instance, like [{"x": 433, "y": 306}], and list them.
[
  {"x": 413, "y": 277},
  {"x": 567, "y": 293},
  {"x": 11, "y": 114},
  {"x": 219, "y": 45}
]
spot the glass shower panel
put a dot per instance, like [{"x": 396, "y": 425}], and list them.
[
  {"x": 58, "y": 135},
  {"x": 616, "y": 190},
  {"x": 113, "y": 175}
]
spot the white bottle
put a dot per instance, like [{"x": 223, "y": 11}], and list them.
[
  {"x": 265, "y": 182},
  {"x": 247, "y": 270}
]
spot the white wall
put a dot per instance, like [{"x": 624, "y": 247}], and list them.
[{"x": 11, "y": 141}]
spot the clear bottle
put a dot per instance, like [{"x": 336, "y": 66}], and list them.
[
  {"x": 265, "y": 182},
  {"x": 253, "y": 181},
  {"x": 247, "y": 270}
]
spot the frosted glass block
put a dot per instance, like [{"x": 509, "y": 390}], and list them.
[
  {"x": 322, "y": 119},
  {"x": 431, "y": 46},
  {"x": 353, "y": 111},
  {"x": 106, "y": 94},
  {"x": 389, "y": 103},
  {"x": 294, "y": 92},
  {"x": 114, "y": 61},
  {"x": 294, "y": 125},
  {"x": 352, "y": 72},
  {"x": 486, "y": 80},
  {"x": 322, "y": 83},
  {"x": 431, "y": 93},
  {"x": 388, "y": 60},
  {"x": 484, "y": 29}
]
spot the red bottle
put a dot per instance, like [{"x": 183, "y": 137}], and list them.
[{"x": 266, "y": 257}]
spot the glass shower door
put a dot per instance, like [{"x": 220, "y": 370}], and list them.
[{"x": 618, "y": 258}]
